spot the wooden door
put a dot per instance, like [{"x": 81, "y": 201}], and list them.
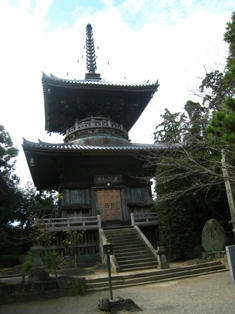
[{"x": 109, "y": 204}]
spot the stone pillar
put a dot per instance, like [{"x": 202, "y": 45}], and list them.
[
  {"x": 161, "y": 257},
  {"x": 132, "y": 219},
  {"x": 38, "y": 271},
  {"x": 99, "y": 221}
]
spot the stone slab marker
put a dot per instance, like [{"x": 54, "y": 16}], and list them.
[
  {"x": 230, "y": 251},
  {"x": 213, "y": 236},
  {"x": 230, "y": 189}
]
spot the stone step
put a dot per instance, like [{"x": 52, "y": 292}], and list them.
[
  {"x": 137, "y": 268},
  {"x": 118, "y": 235},
  {"x": 120, "y": 232},
  {"x": 147, "y": 278},
  {"x": 121, "y": 240},
  {"x": 130, "y": 250},
  {"x": 126, "y": 244},
  {"x": 122, "y": 228},
  {"x": 135, "y": 261},
  {"x": 160, "y": 271},
  {"x": 126, "y": 285},
  {"x": 137, "y": 264},
  {"x": 123, "y": 236},
  {"x": 134, "y": 257},
  {"x": 136, "y": 245},
  {"x": 135, "y": 252}
]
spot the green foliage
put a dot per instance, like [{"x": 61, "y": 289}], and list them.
[
  {"x": 189, "y": 181},
  {"x": 71, "y": 241},
  {"x": 229, "y": 37},
  {"x": 171, "y": 130},
  {"x": 28, "y": 262},
  {"x": 17, "y": 204},
  {"x": 182, "y": 127},
  {"x": 9, "y": 196},
  {"x": 9, "y": 260},
  {"x": 177, "y": 229},
  {"x": 214, "y": 90},
  {"x": 5, "y": 243},
  {"x": 33, "y": 204},
  {"x": 77, "y": 288},
  {"x": 222, "y": 126},
  {"x": 51, "y": 261},
  {"x": 9, "y": 246},
  {"x": 7, "y": 162}
]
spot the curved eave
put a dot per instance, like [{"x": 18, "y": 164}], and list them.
[
  {"x": 143, "y": 92},
  {"x": 45, "y": 160},
  {"x": 73, "y": 148},
  {"x": 96, "y": 84}
]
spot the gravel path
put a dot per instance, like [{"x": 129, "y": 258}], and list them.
[{"x": 205, "y": 294}]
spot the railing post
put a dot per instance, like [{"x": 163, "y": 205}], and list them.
[
  {"x": 132, "y": 219},
  {"x": 99, "y": 221}
]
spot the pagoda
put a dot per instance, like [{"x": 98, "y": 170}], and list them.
[{"x": 97, "y": 170}]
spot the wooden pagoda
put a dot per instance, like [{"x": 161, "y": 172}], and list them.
[{"x": 97, "y": 169}]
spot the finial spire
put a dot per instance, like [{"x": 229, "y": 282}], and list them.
[{"x": 90, "y": 55}]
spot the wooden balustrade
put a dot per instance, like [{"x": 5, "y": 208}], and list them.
[
  {"x": 95, "y": 123},
  {"x": 71, "y": 223},
  {"x": 144, "y": 219},
  {"x": 93, "y": 222}
]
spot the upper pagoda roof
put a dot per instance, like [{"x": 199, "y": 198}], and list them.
[{"x": 68, "y": 100}]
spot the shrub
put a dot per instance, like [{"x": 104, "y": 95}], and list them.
[
  {"x": 29, "y": 262},
  {"x": 77, "y": 288},
  {"x": 9, "y": 260}
]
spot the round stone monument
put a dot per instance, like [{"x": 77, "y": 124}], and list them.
[{"x": 213, "y": 236}]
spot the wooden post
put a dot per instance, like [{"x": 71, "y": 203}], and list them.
[{"x": 228, "y": 187}]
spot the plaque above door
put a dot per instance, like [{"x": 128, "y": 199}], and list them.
[{"x": 108, "y": 179}]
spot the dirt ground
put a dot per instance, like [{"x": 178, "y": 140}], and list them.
[{"x": 205, "y": 294}]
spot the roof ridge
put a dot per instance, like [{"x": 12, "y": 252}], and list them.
[
  {"x": 77, "y": 147},
  {"x": 52, "y": 77}
]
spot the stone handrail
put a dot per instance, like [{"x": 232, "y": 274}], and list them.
[
  {"x": 146, "y": 241},
  {"x": 103, "y": 240},
  {"x": 70, "y": 223},
  {"x": 144, "y": 219}
]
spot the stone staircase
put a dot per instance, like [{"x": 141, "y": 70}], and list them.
[
  {"x": 130, "y": 250},
  {"x": 154, "y": 276}
]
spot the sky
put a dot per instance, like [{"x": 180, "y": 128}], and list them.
[{"x": 173, "y": 41}]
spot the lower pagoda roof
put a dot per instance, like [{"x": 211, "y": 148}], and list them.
[
  {"x": 48, "y": 161},
  {"x": 71, "y": 147}
]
